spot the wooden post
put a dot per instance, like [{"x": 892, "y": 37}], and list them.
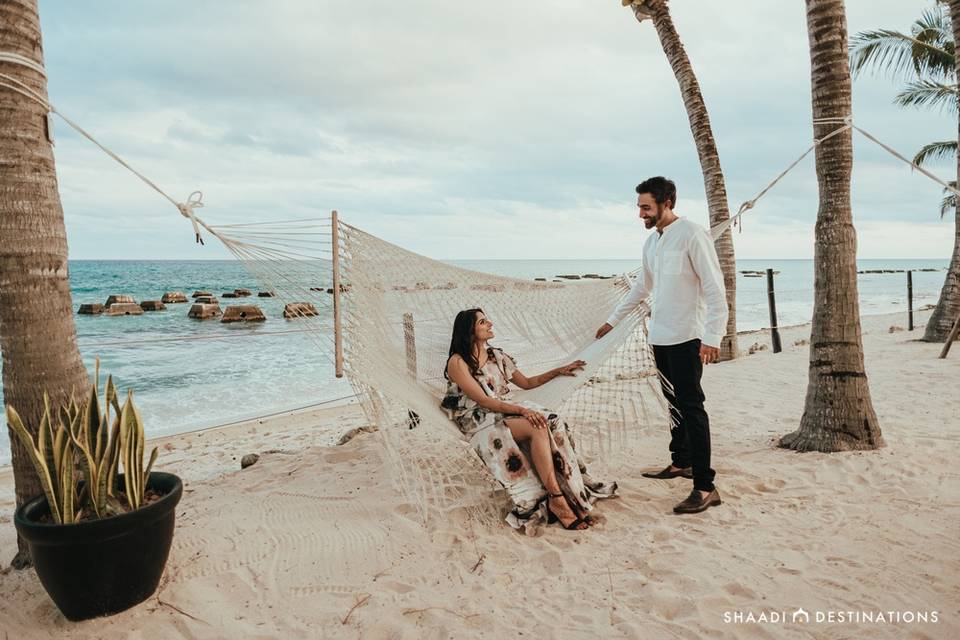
[
  {"x": 410, "y": 344},
  {"x": 772, "y": 301},
  {"x": 337, "y": 329},
  {"x": 953, "y": 336},
  {"x": 909, "y": 300}
]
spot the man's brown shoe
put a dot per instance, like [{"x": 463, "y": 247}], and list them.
[
  {"x": 669, "y": 472},
  {"x": 695, "y": 503}
]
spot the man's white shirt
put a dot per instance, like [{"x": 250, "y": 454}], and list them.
[{"x": 682, "y": 273}]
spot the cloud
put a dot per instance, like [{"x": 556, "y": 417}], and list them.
[{"x": 430, "y": 121}]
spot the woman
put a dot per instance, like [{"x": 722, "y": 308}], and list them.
[{"x": 506, "y": 434}]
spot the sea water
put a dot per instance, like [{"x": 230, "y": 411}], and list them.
[{"x": 188, "y": 374}]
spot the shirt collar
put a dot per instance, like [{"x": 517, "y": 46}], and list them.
[{"x": 667, "y": 228}]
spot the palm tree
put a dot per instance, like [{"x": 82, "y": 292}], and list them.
[
  {"x": 838, "y": 414},
  {"x": 926, "y": 59},
  {"x": 37, "y": 332},
  {"x": 658, "y": 11}
]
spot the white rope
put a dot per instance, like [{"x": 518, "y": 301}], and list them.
[
  {"x": 16, "y": 58},
  {"x": 847, "y": 123},
  {"x": 186, "y": 209},
  {"x": 895, "y": 154},
  {"x": 721, "y": 228}
]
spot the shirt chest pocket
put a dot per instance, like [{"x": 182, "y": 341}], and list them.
[{"x": 672, "y": 263}]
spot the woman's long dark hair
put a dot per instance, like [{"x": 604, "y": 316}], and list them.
[{"x": 461, "y": 342}]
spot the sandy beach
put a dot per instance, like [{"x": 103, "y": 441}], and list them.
[{"x": 313, "y": 542}]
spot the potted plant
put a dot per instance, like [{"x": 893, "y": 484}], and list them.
[{"x": 99, "y": 538}]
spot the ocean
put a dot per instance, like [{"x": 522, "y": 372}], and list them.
[{"x": 239, "y": 371}]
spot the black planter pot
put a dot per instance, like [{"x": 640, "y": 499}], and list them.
[{"x": 99, "y": 567}]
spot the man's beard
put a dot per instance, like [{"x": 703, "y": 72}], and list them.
[{"x": 652, "y": 221}]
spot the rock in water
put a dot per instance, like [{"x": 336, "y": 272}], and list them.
[
  {"x": 91, "y": 309},
  {"x": 117, "y": 299},
  {"x": 243, "y": 313},
  {"x": 173, "y": 297},
  {"x": 204, "y": 311},
  {"x": 124, "y": 309},
  {"x": 152, "y": 305},
  {"x": 299, "y": 310}
]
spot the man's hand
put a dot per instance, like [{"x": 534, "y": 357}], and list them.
[
  {"x": 604, "y": 330},
  {"x": 709, "y": 354}
]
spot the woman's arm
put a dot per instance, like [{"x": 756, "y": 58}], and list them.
[
  {"x": 459, "y": 372},
  {"x": 524, "y": 382}
]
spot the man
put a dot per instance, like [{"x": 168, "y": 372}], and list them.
[{"x": 688, "y": 320}]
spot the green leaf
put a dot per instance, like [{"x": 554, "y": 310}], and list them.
[
  {"x": 128, "y": 448},
  {"x": 944, "y": 150},
  {"x": 146, "y": 473},
  {"x": 106, "y": 476},
  {"x": 93, "y": 410},
  {"x": 90, "y": 469},
  {"x": 39, "y": 463},
  {"x": 67, "y": 487},
  {"x": 926, "y": 52}
]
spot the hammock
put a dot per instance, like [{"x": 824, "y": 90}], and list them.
[{"x": 397, "y": 310}]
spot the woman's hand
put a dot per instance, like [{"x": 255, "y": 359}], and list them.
[
  {"x": 537, "y": 419},
  {"x": 571, "y": 369}
]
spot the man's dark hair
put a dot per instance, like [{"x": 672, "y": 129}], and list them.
[{"x": 661, "y": 189}]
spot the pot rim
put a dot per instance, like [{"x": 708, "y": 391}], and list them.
[{"x": 104, "y": 526}]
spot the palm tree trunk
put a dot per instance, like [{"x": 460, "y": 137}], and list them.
[
  {"x": 838, "y": 415},
  {"x": 37, "y": 332},
  {"x": 948, "y": 307},
  {"x": 716, "y": 190}
]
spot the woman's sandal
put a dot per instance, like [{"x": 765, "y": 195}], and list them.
[{"x": 573, "y": 526}]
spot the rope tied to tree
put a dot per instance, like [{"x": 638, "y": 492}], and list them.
[
  {"x": 194, "y": 201},
  {"x": 186, "y": 209},
  {"x": 736, "y": 219}
]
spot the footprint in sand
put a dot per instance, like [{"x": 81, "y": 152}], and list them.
[
  {"x": 551, "y": 562},
  {"x": 739, "y": 591},
  {"x": 398, "y": 587},
  {"x": 770, "y": 486}
]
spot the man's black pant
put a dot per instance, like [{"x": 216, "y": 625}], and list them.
[{"x": 681, "y": 367}]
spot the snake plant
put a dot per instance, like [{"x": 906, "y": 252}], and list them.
[{"x": 86, "y": 438}]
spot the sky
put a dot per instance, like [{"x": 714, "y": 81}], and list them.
[{"x": 501, "y": 129}]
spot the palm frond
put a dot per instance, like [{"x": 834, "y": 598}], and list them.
[
  {"x": 933, "y": 26},
  {"x": 943, "y": 150},
  {"x": 927, "y": 93},
  {"x": 935, "y": 57},
  {"x": 950, "y": 201},
  {"x": 927, "y": 52}
]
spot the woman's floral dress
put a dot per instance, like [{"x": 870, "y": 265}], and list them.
[{"x": 507, "y": 460}]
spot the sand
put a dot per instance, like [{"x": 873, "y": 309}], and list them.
[{"x": 313, "y": 542}]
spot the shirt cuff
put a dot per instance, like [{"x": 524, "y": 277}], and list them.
[{"x": 712, "y": 340}]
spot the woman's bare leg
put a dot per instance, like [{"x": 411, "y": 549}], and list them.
[{"x": 542, "y": 458}]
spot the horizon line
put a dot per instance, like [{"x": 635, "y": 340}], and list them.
[{"x": 947, "y": 260}]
